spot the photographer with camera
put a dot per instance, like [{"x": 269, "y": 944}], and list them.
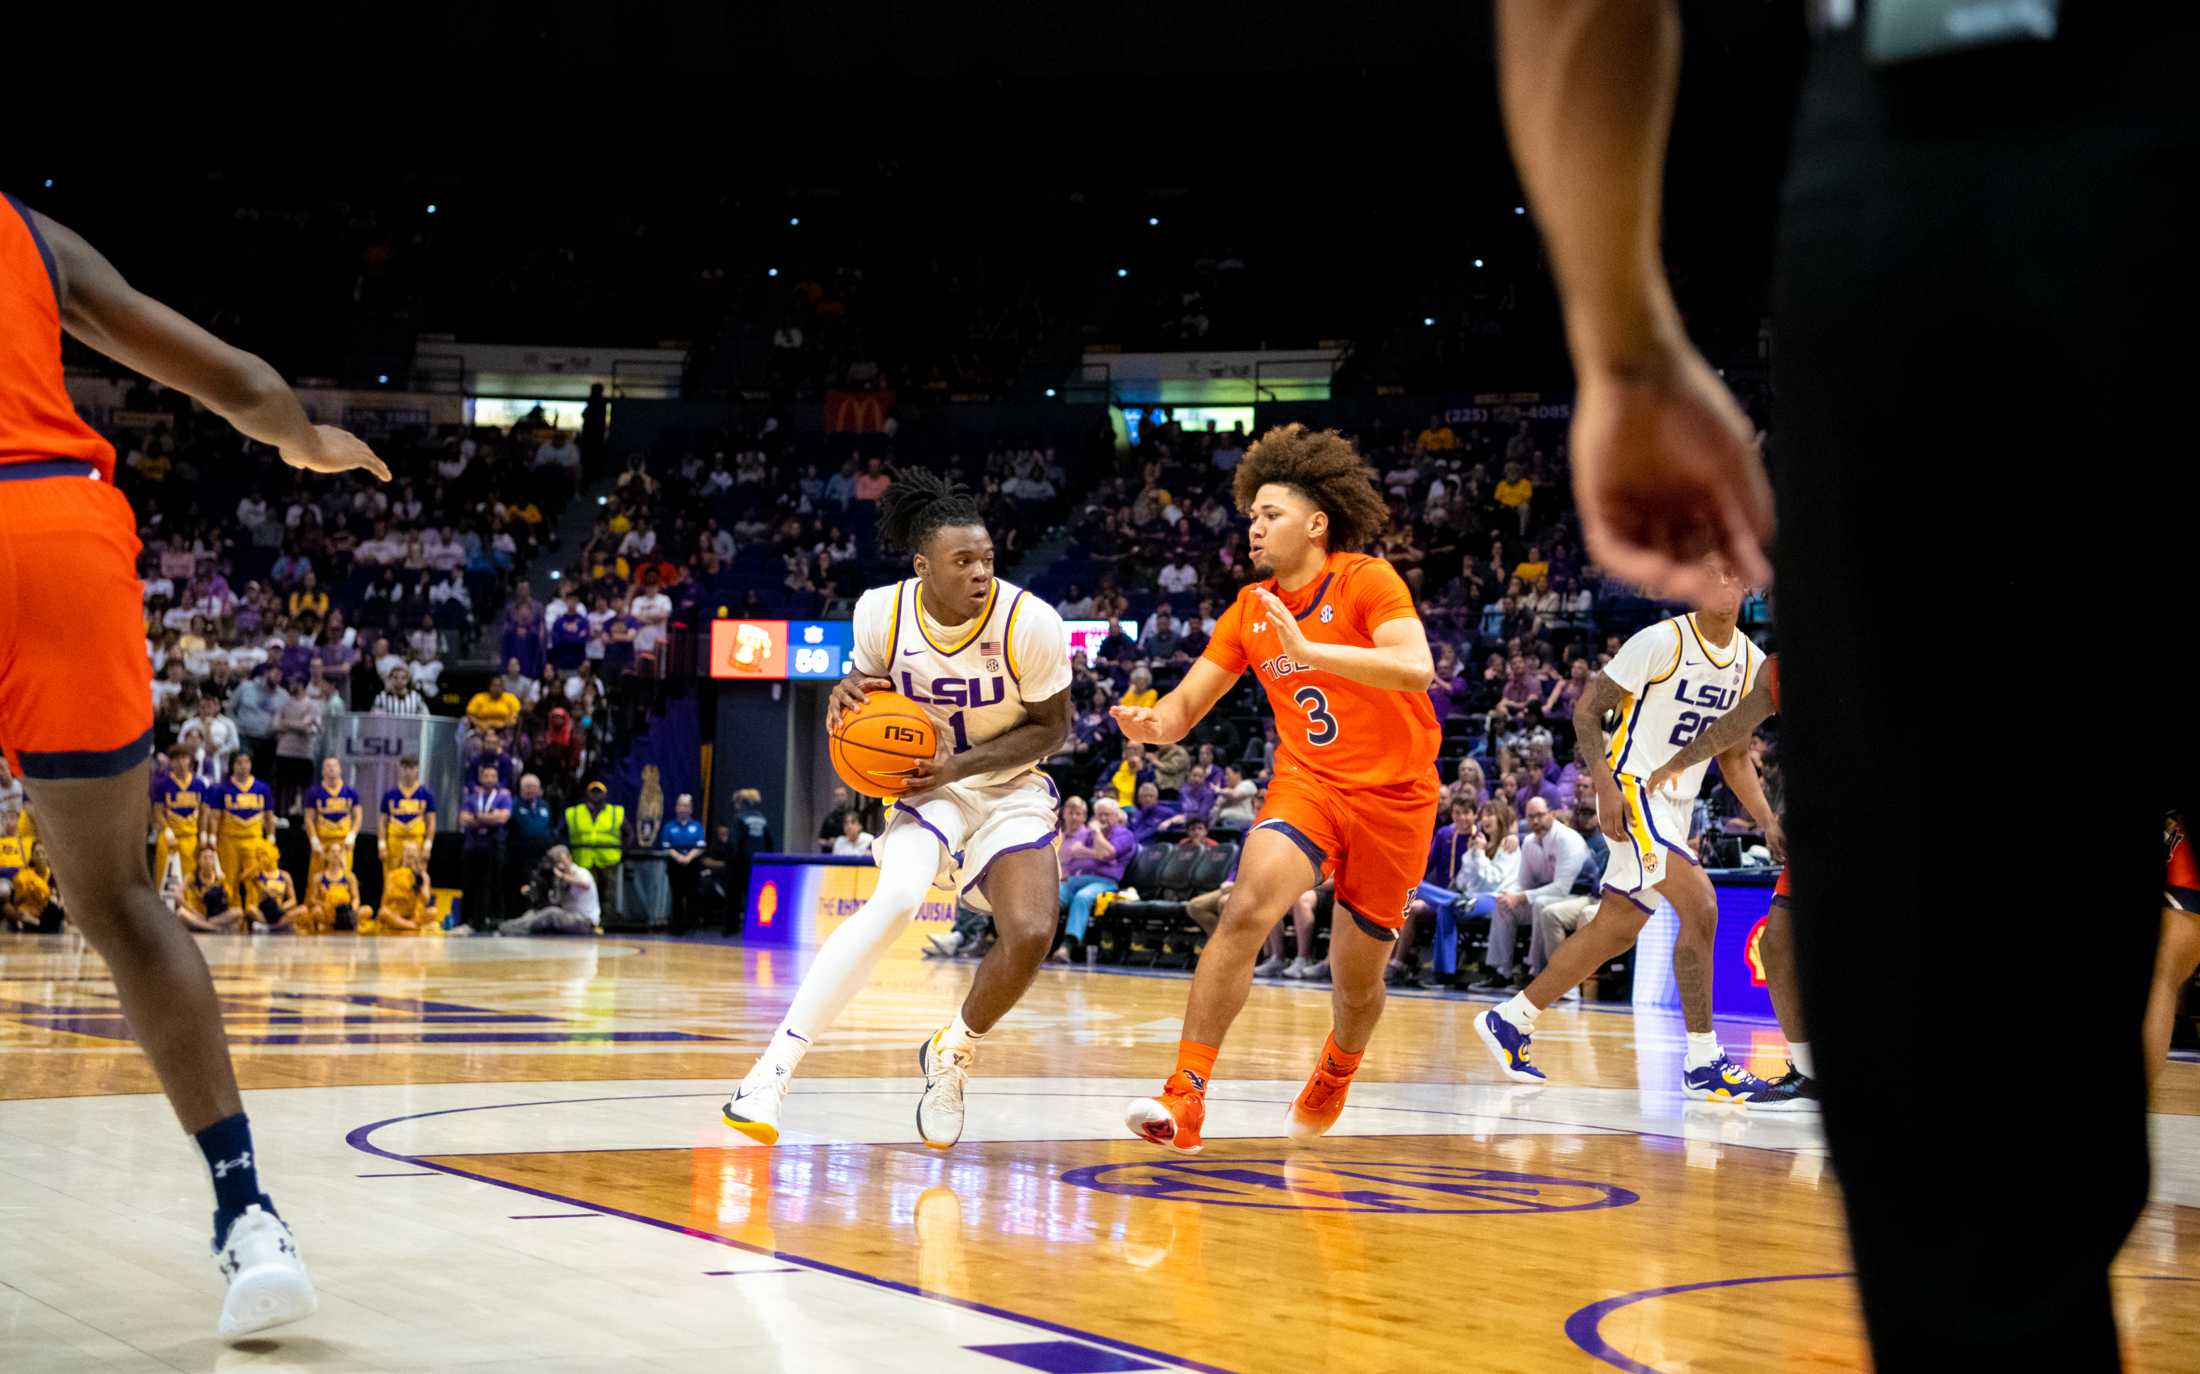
[{"x": 568, "y": 894}]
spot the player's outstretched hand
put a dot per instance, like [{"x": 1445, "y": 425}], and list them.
[
  {"x": 848, "y": 695},
  {"x": 335, "y": 450},
  {"x": 1660, "y": 779},
  {"x": 1140, "y": 723},
  {"x": 1667, "y": 470}
]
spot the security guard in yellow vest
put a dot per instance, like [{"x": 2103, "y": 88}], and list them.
[{"x": 595, "y": 832}]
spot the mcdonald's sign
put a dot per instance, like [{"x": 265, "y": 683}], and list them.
[{"x": 857, "y": 412}]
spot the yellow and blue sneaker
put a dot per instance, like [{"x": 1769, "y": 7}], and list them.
[
  {"x": 1723, "y": 1080},
  {"x": 1509, "y": 1044}
]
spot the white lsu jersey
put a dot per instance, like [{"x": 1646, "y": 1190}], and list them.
[
  {"x": 1676, "y": 686},
  {"x": 972, "y": 679}
]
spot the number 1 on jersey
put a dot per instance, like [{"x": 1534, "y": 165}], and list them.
[
  {"x": 1323, "y": 725},
  {"x": 962, "y": 741}
]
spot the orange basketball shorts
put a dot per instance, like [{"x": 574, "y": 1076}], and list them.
[
  {"x": 76, "y": 696},
  {"x": 1780, "y": 888},
  {"x": 1373, "y": 840}
]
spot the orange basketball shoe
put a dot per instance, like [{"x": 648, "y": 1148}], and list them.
[
  {"x": 1173, "y": 1119},
  {"x": 1319, "y": 1102}
]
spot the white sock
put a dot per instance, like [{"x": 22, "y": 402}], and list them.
[
  {"x": 787, "y": 1048},
  {"x": 1703, "y": 1048},
  {"x": 844, "y": 962},
  {"x": 1799, "y": 1055},
  {"x": 959, "y": 1036},
  {"x": 1520, "y": 1011}
]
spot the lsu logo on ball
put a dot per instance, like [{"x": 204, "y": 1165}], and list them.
[{"x": 903, "y": 734}]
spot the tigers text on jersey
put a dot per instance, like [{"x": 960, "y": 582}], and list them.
[
  {"x": 972, "y": 679},
  {"x": 1344, "y": 732},
  {"x": 1676, "y": 686}
]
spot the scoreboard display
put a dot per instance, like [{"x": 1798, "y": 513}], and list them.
[{"x": 781, "y": 650}]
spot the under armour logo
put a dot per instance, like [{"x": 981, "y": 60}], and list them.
[
  {"x": 1328, "y": 614},
  {"x": 1260, "y": 627},
  {"x": 223, "y": 1166}
]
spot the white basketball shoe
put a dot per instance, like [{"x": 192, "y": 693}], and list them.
[{"x": 268, "y": 1282}]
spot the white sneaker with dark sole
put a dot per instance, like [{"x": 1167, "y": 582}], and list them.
[{"x": 268, "y": 1282}]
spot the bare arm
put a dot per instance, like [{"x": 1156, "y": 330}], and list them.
[
  {"x": 1724, "y": 735},
  {"x": 1045, "y": 727},
  {"x": 1665, "y": 464},
  {"x": 1587, "y": 87},
  {"x": 1603, "y": 695},
  {"x": 1398, "y": 661},
  {"x": 1172, "y": 718},
  {"x": 104, "y": 311}
]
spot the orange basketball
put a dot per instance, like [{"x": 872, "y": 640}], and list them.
[{"x": 877, "y": 742}]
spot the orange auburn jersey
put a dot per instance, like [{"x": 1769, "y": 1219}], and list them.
[
  {"x": 37, "y": 420},
  {"x": 1345, "y": 733}
]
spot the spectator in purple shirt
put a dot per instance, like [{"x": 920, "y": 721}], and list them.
[
  {"x": 522, "y": 640},
  {"x": 1094, "y": 854},
  {"x": 1152, "y": 814},
  {"x": 1196, "y": 795},
  {"x": 569, "y": 640},
  {"x": 1534, "y": 784},
  {"x": 298, "y": 656},
  {"x": 1448, "y": 692},
  {"x": 493, "y": 754}
]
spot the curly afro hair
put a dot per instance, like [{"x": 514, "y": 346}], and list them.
[
  {"x": 919, "y": 504},
  {"x": 1324, "y": 467}
]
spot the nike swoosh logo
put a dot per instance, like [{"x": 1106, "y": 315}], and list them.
[{"x": 911, "y": 653}]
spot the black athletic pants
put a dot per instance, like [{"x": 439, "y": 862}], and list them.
[{"x": 1985, "y": 468}]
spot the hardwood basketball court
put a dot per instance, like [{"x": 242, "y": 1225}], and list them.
[{"x": 506, "y": 1154}]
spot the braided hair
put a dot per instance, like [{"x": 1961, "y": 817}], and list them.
[{"x": 920, "y": 503}]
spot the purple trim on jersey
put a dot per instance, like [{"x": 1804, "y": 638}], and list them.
[
  {"x": 1008, "y": 650},
  {"x": 87, "y": 763},
  {"x": 1387, "y": 934},
  {"x": 1633, "y": 720},
  {"x": 893, "y": 641},
  {"x": 53, "y": 276},
  {"x": 912, "y": 813},
  {"x": 1630, "y": 896},
  {"x": 1311, "y": 606},
  {"x": 979, "y": 881},
  {"x": 49, "y": 467},
  {"x": 1296, "y": 836}
]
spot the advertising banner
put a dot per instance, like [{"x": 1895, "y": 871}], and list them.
[{"x": 797, "y": 900}]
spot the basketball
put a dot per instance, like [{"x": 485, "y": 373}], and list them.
[{"x": 877, "y": 742}]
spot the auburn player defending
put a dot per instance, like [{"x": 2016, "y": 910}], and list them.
[
  {"x": 79, "y": 726},
  {"x": 1729, "y": 733},
  {"x": 1669, "y": 682},
  {"x": 1333, "y": 637},
  {"x": 990, "y": 664}
]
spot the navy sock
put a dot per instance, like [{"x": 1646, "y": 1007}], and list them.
[{"x": 227, "y": 1145}]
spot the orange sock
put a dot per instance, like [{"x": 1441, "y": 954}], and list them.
[
  {"x": 1197, "y": 1061},
  {"x": 1335, "y": 1062}
]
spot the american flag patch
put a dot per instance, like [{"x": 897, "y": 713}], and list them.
[{"x": 988, "y": 648}]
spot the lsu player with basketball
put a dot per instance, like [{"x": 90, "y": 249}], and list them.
[
  {"x": 1730, "y": 736},
  {"x": 989, "y": 664},
  {"x": 408, "y": 814},
  {"x": 176, "y": 800},
  {"x": 1669, "y": 682},
  {"x": 332, "y": 820},
  {"x": 1332, "y": 636},
  {"x": 237, "y": 812},
  {"x": 78, "y": 726}
]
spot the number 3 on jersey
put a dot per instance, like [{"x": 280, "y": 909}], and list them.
[{"x": 1322, "y": 726}]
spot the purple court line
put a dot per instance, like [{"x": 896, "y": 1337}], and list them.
[
  {"x": 1569, "y": 1127},
  {"x": 360, "y": 1138},
  {"x": 1581, "y": 1327},
  {"x": 419, "y": 1173},
  {"x": 559, "y": 1216}
]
